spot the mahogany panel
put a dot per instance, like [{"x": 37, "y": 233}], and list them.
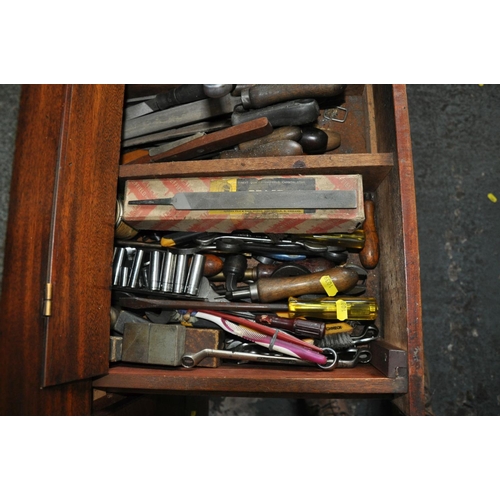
[
  {"x": 26, "y": 255},
  {"x": 83, "y": 229},
  {"x": 414, "y": 402},
  {"x": 251, "y": 381},
  {"x": 399, "y": 267}
]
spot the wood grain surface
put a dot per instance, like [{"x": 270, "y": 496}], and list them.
[
  {"x": 22, "y": 329},
  {"x": 68, "y": 144},
  {"x": 373, "y": 167},
  {"x": 83, "y": 228},
  {"x": 252, "y": 381}
]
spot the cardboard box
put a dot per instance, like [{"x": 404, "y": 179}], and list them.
[{"x": 289, "y": 220}]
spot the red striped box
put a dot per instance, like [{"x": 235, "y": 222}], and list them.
[{"x": 296, "y": 220}]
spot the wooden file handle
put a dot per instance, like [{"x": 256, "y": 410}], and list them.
[
  {"x": 273, "y": 289},
  {"x": 369, "y": 255},
  {"x": 260, "y": 96},
  {"x": 276, "y": 148}
]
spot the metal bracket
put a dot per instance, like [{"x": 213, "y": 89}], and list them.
[{"x": 390, "y": 360}]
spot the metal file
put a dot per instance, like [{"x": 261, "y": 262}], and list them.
[{"x": 258, "y": 200}]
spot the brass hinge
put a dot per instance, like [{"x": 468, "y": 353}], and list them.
[{"x": 47, "y": 300}]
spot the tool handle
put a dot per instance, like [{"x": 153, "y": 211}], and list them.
[
  {"x": 300, "y": 327},
  {"x": 213, "y": 265},
  {"x": 279, "y": 134},
  {"x": 354, "y": 308},
  {"x": 312, "y": 264},
  {"x": 263, "y": 95},
  {"x": 275, "y": 148},
  {"x": 180, "y": 95},
  {"x": 317, "y": 141},
  {"x": 290, "y": 113},
  {"x": 217, "y": 141},
  {"x": 217, "y": 90},
  {"x": 273, "y": 289},
  {"x": 369, "y": 255}
]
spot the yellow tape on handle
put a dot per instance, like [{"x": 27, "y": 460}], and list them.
[
  {"x": 341, "y": 310},
  {"x": 329, "y": 286}
]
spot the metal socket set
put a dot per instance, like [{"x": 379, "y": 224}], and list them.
[{"x": 171, "y": 271}]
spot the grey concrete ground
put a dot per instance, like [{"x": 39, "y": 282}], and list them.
[
  {"x": 456, "y": 148},
  {"x": 9, "y": 107}
]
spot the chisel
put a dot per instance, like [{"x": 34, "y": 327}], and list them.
[{"x": 257, "y": 200}]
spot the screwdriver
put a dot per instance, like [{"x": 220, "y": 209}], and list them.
[
  {"x": 359, "y": 308},
  {"x": 303, "y": 327},
  {"x": 337, "y": 308}
]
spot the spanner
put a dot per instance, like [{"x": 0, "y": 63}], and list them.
[
  {"x": 257, "y": 240},
  {"x": 191, "y": 360},
  {"x": 358, "y": 356},
  {"x": 354, "y": 356}
]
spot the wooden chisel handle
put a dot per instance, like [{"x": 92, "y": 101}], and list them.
[
  {"x": 283, "y": 114},
  {"x": 260, "y": 96},
  {"x": 274, "y": 289},
  {"x": 369, "y": 255},
  {"x": 278, "y": 134},
  {"x": 317, "y": 141},
  {"x": 213, "y": 142},
  {"x": 276, "y": 148},
  {"x": 179, "y": 95}
]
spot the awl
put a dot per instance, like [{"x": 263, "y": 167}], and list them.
[{"x": 257, "y": 200}]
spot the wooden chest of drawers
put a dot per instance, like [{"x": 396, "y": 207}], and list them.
[{"x": 54, "y": 336}]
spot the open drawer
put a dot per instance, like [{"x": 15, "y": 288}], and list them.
[
  {"x": 72, "y": 133},
  {"x": 376, "y": 144}
]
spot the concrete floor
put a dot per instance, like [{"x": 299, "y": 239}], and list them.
[{"x": 456, "y": 148}]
